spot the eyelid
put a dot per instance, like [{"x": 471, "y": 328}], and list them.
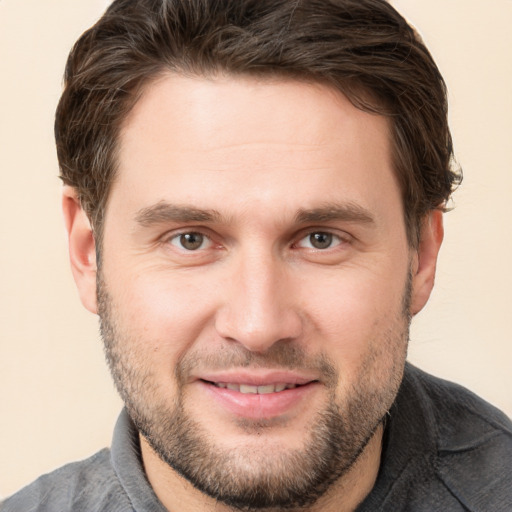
[
  {"x": 170, "y": 236},
  {"x": 177, "y": 242},
  {"x": 342, "y": 236}
]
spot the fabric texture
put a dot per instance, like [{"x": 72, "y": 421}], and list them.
[{"x": 444, "y": 450}]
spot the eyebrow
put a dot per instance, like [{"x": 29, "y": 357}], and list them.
[
  {"x": 162, "y": 212},
  {"x": 349, "y": 212}
]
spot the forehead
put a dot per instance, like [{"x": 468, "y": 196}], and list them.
[{"x": 233, "y": 142}]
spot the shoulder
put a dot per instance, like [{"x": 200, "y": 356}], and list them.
[
  {"x": 87, "y": 485},
  {"x": 474, "y": 444},
  {"x": 463, "y": 419}
]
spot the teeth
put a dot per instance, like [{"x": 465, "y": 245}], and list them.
[
  {"x": 260, "y": 390},
  {"x": 245, "y": 388},
  {"x": 263, "y": 390}
]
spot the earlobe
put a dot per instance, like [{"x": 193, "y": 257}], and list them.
[
  {"x": 425, "y": 260},
  {"x": 82, "y": 248}
]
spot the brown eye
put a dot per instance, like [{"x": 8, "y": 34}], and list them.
[
  {"x": 189, "y": 241},
  {"x": 320, "y": 240}
]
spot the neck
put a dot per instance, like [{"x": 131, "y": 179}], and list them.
[{"x": 343, "y": 496}]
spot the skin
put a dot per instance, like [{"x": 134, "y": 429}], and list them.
[{"x": 266, "y": 158}]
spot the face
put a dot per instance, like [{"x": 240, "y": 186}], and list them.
[{"x": 255, "y": 283}]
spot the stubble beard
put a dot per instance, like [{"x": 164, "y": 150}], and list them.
[{"x": 261, "y": 478}]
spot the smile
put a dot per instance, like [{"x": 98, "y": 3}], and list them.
[
  {"x": 256, "y": 390},
  {"x": 260, "y": 400}
]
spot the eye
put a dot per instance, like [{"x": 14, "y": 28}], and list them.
[
  {"x": 320, "y": 240},
  {"x": 190, "y": 241}
]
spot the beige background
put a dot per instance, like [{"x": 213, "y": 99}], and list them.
[{"x": 56, "y": 400}]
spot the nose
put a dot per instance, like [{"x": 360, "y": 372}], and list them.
[{"x": 258, "y": 308}]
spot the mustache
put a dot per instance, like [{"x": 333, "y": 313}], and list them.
[{"x": 280, "y": 356}]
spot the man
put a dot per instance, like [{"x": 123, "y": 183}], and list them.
[{"x": 253, "y": 195}]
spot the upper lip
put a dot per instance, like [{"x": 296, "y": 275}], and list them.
[{"x": 257, "y": 377}]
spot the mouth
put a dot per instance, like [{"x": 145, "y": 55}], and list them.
[
  {"x": 248, "y": 389},
  {"x": 259, "y": 397}
]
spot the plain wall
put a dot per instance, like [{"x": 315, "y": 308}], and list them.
[{"x": 57, "y": 402}]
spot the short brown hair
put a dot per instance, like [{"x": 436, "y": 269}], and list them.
[{"x": 363, "y": 48}]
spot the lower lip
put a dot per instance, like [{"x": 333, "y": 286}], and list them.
[{"x": 255, "y": 406}]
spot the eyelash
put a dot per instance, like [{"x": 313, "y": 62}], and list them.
[
  {"x": 178, "y": 237},
  {"x": 333, "y": 238}
]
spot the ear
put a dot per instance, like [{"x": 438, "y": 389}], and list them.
[
  {"x": 425, "y": 259},
  {"x": 82, "y": 248}
]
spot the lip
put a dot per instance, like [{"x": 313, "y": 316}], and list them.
[
  {"x": 258, "y": 377},
  {"x": 258, "y": 406}
]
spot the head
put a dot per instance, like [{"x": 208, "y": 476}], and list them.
[
  {"x": 263, "y": 184},
  {"x": 366, "y": 50}
]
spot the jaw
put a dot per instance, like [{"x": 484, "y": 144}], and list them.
[{"x": 340, "y": 495}]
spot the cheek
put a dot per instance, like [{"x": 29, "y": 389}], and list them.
[
  {"x": 163, "y": 317},
  {"x": 357, "y": 316}
]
